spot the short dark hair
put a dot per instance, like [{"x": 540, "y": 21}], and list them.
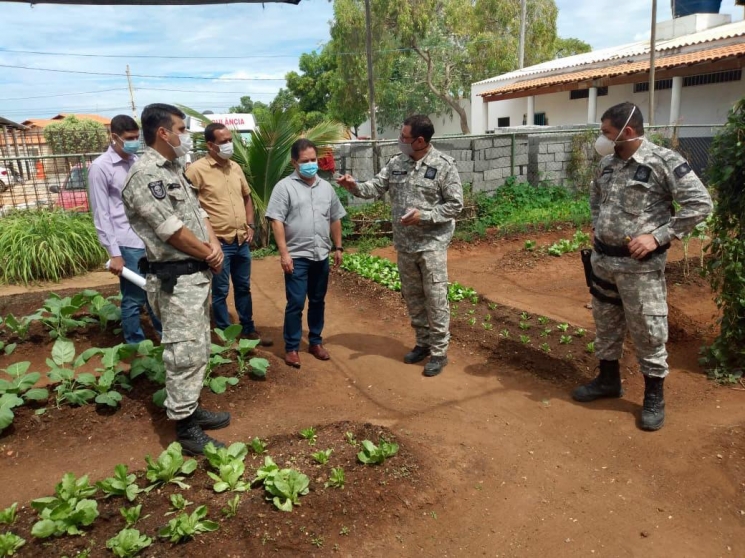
[
  {"x": 122, "y": 123},
  {"x": 209, "y": 131},
  {"x": 618, "y": 114},
  {"x": 158, "y": 115},
  {"x": 301, "y": 145},
  {"x": 421, "y": 125}
]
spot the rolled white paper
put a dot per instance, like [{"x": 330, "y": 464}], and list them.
[{"x": 131, "y": 276}]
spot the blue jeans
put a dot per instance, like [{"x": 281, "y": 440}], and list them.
[
  {"x": 133, "y": 299},
  {"x": 236, "y": 265},
  {"x": 309, "y": 278}
]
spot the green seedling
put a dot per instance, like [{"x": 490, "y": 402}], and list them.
[
  {"x": 579, "y": 332},
  {"x": 68, "y": 510},
  {"x": 472, "y": 321},
  {"x": 8, "y": 515},
  {"x": 178, "y": 503},
  {"x": 492, "y": 306},
  {"x": 7, "y": 348},
  {"x": 169, "y": 467},
  {"x": 229, "y": 477},
  {"x": 128, "y": 543},
  {"x": 351, "y": 440},
  {"x": 487, "y": 318},
  {"x": 104, "y": 311},
  {"x": 185, "y": 527},
  {"x": 524, "y": 316},
  {"x": 543, "y": 320},
  {"x": 524, "y": 339},
  {"x": 323, "y": 456},
  {"x": 471, "y": 312},
  {"x": 10, "y": 543},
  {"x": 217, "y": 457},
  {"x": 529, "y": 245},
  {"x": 524, "y": 326},
  {"x": 149, "y": 361},
  {"x": 18, "y": 326},
  {"x": 375, "y": 455},
  {"x": 310, "y": 435},
  {"x": 131, "y": 515},
  {"x": 229, "y": 336},
  {"x": 121, "y": 484},
  {"x": 286, "y": 486},
  {"x": 258, "y": 446},
  {"x": 565, "y": 339},
  {"x": 256, "y": 366},
  {"x": 57, "y": 314},
  {"x": 546, "y": 348},
  {"x": 562, "y": 327},
  {"x": 218, "y": 384},
  {"x": 71, "y": 389},
  {"x": 231, "y": 508},
  {"x": 317, "y": 541},
  {"x": 266, "y": 471},
  {"x": 336, "y": 478},
  {"x": 590, "y": 347},
  {"x": 487, "y": 326},
  {"x": 344, "y": 531},
  {"x": 505, "y": 334}
]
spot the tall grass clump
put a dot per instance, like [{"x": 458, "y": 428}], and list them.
[{"x": 47, "y": 246}]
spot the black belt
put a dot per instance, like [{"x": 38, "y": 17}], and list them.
[
  {"x": 169, "y": 272},
  {"x": 623, "y": 251}
]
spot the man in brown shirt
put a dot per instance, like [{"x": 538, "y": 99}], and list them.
[{"x": 226, "y": 197}]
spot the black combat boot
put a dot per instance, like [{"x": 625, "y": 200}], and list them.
[
  {"x": 192, "y": 438},
  {"x": 607, "y": 383},
  {"x": 653, "y": 412},
  {"x": 417, "y": 354},
  {"x": 435, "y": 365},
  {"x": 209, "y": 420}
]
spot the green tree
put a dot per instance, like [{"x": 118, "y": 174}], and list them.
[
  {"x": 570, "y": 47},
  {"x": 246, "y": 106},
  {"x": 432, "y": 50},
  {"x": 76, "y": 135}
]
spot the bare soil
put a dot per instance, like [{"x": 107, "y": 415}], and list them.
[{"x": 496, "y": 459}]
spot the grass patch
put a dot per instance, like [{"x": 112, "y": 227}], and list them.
[{"x": 47, "y": 246}]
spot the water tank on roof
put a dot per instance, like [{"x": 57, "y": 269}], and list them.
[{"x": 683, "y": 8}]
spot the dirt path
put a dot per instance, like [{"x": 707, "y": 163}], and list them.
[{"x": 519, "y": 469}]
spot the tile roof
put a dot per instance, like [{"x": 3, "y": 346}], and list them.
[
  {"x": 622, "y": 68},
  {"x": 639, "y": 48}
]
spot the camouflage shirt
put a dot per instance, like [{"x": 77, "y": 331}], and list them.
[
  {"x": 635, "y": 197},
  {"x": 159, "y": 200},
  {"x": 431, "y": 185}
]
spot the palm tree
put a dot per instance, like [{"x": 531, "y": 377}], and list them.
[{"x": 265, "y": 159}]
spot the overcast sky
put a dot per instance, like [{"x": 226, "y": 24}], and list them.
[{"x": 265, "y": 43}]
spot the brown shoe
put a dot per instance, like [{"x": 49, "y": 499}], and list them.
[
  {"x": 319, "y": 352},
  {"x": 256, "y": 336},
  {"x": 292, "y": 359}
]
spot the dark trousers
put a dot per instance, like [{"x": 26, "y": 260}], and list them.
[
  {"x": 236, "y": 265},
  {"x": 309, "y": 279}
]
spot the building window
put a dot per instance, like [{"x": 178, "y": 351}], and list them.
[
  {"x": 659, "y": 85},
  {"x": 540, "y": 119},
  {"x": 716, "y": 77},
  {"x": 585, "y": 93},
  {"x": 503, "y": 122}
]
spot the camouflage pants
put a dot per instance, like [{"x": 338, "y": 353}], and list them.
[
  {"x": 424, "y": 286},
  {"x": 186, "y": 338},
  {"x": 644, "y": 312}
]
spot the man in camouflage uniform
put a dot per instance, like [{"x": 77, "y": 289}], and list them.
[
  {"x": 426, "y": 197},
  {"x": 634, "y": 222},
  {"x": 182, "y": 250}
]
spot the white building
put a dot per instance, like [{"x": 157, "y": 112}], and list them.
[{"x": 698, "y": 76}]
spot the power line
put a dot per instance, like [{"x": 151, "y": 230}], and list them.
[
  {"x": 202, "y": 91},
  {"x": 60, "y": 95},
  {"x": 135, "y": 75}
]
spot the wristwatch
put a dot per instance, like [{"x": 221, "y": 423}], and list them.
[
  {"x": 252, "y": 226},
  {"x": 337, "y": 249}
]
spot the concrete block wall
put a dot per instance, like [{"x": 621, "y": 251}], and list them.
[{"x": 485, "y": 162}]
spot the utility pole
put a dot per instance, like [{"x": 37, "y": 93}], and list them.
[
  {"x": 652, "y": 49},
  {"x": 131, "y": 93},
  {"x": 523, "y": 17},
  {"x": 370, "y": 79}
]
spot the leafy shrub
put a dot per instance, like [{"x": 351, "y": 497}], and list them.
[{"x": 47, "y": 246}]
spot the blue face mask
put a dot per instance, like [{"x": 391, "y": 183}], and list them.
[
  {"x": 131, "y": 146},
  {"x": 308, "y": 170}
]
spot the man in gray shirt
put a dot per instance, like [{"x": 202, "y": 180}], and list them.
[{"x": 305, "y": 214}]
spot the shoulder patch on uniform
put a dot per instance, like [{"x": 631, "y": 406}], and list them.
[
  {"x": 431, "y": 173},
  {"x": 642, "y": 173},
  {"x": 157, "y": 189},
  {"x": 607, "y": 170},
  {"x": 682, "y": 170},
  {"x": 174, "y": 186}
]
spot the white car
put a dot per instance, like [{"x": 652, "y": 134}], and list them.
[{"x": 8, "y": 178}]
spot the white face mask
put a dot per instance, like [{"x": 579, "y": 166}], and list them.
[
  {"x": 225, "y": 151},
  {"x": 186, "y": 144},
  {"x": 605, "y": 147}
]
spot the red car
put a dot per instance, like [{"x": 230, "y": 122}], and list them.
[{"x": 73, "y": 196}]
